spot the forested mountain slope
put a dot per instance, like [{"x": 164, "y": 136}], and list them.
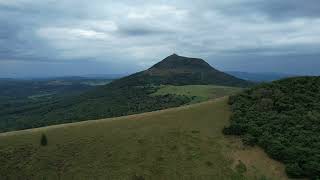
[
  {"x": 129, "y": 95},
  {"x": 283, "y": 117}
]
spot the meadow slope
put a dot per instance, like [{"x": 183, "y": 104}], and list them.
[{"x": 179, "y": 143}]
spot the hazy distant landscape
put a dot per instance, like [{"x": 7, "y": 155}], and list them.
[{"x": 159, "y": 90}]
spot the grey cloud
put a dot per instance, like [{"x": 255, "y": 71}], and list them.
[
  {"x": 275, "y": 9},
  {"x": 290, "y": 8},
  {"x": 141, "y": 31},
  {"x": 138, "y": 33},
  {"x": 303, "y": 64}
]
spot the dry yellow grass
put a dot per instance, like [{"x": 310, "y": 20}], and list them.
[{"x": 255, "y": 159}]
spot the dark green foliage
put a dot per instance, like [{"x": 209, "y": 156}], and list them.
[
  {"x": 44, "y": 140},
  {"x": 106, "y": 101},
  {"x": 209, "y": 163},
  {"x": 136, "y": 177},
  {"x": 23, "y": 103},
  {"x": 282, "y": 117},
  {"x": 241, "y": 168},
  {"x": 249, "y": 140},
  {"x": 294, "y": 170},
  {"x": 195, "y": 131}
]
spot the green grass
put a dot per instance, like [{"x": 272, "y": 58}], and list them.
[
  {"x": 198, "y": 92},
  {"x": 178, "y": 143}
]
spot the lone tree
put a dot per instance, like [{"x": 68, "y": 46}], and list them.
[{"x": 44, "y": 140}]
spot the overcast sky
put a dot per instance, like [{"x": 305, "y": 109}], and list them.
[{"x": 76, "y": 37}]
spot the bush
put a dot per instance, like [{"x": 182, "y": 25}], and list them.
[
  {"x": 241, "y": 168},
  {"x": 137, "y": 177},
  {"x": 294, "y": 170},
  {"x": 249, "y": 140},
  {"x": 44, "y": 140}
]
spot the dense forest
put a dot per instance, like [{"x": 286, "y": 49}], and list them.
[
  {"x": 282, "y": 117},
  {"x": 30, "y": 104},
  {"x": 103, "y": 102}
]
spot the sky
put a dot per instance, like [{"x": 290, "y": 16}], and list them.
[{"x": 40, "y": 38}]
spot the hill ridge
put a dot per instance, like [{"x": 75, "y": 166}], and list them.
[{"x": 150, "y": 113}]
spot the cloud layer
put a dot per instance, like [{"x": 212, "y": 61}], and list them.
[{"x": 131, "y": 35}]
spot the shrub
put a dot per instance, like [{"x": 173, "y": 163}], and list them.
[
  {"x": 249, "y": 140},
  {"x": 294, "y": 170},
  {"x": 43, "y": 140},
  {"x": 241, "y": 168},
  {"x": 137, "y": 177}
]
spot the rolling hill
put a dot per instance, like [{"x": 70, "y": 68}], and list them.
[
  {"x": 179, "y": 143},
  {"x": 261, "y": 77},
  {"x": 133, "y": 94}
]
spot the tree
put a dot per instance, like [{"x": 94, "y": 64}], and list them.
[
  {"x": 283, "y": 117},
  {"x": 44, "y": 140}
]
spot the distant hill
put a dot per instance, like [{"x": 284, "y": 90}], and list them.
[
  {"x": 260, "y": 77},
  {"x": 179, "y": 70},
  {"x": 282, "y": 117},
  {"x": 133, "y": 94},
  {"x": 104, "y": 76},
  {"x": 21, "y": 89}
]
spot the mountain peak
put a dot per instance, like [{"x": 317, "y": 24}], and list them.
[
  {"x": 179, "y": 70},
  {"x": 173, "y": 55},
  {"x": 175, "y": 62}
]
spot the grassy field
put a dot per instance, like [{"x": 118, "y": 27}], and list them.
[
  {"x": 178, "y": 143},
  {"x": 199, "y": 93}
]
